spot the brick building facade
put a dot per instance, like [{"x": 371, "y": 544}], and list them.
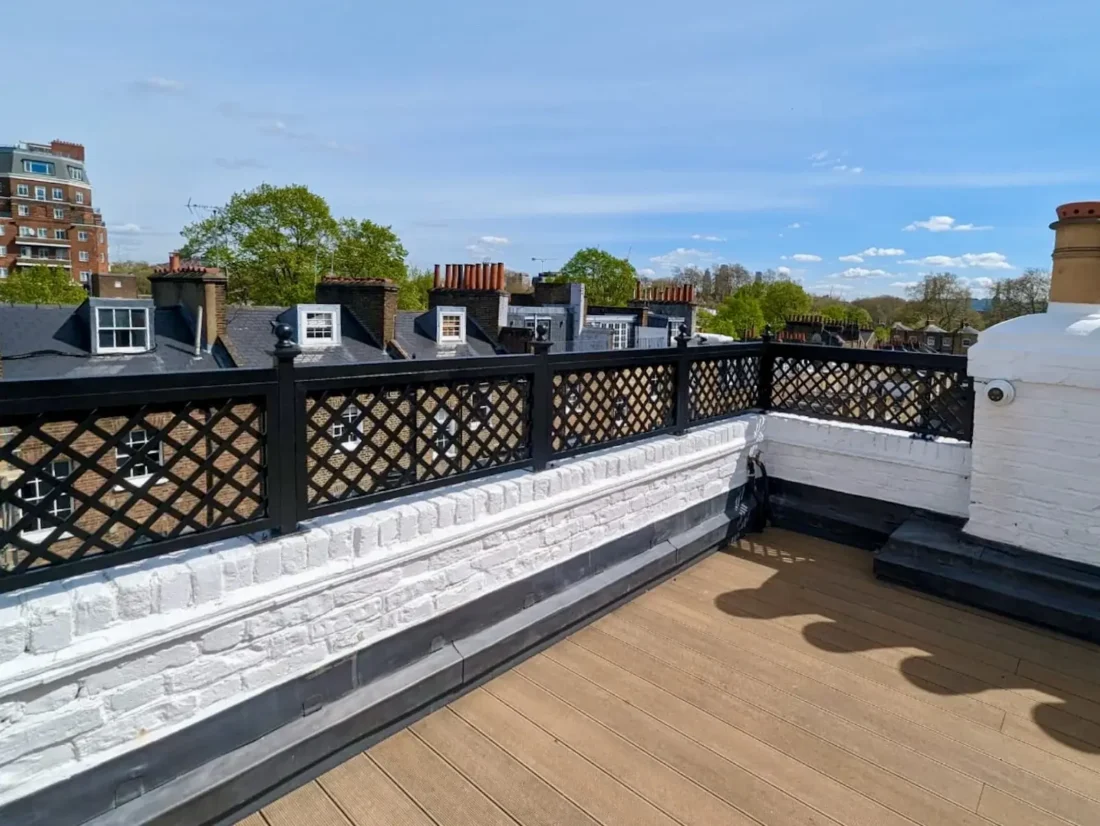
[{"x": 47, "y": 214}]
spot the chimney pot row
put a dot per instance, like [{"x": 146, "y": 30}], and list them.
[
  {"x": 679, "y": 294},
  {"x": 470, "y": 276}
]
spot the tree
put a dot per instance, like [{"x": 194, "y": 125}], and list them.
[
  {"x": 835, "y": 312},
  {"x": 781, "y": 300},
  {"x": 608, "y": 281},
  {"x": 273, "y": 242},
  {"x": 737, "y": 316},
  {"x": 858, "y": 315},
  {"x": 41, "y": 285},
  {"x": 728, "y": 279},
  {"x": 884, "y": 309},
  {"x": 941, "y": 299},
  {"x": 1026, "y": 295},
  {"x": 365, "y": 249},
  {"x": 141, "y": 270},
  {"x": 412, "y": 289}
]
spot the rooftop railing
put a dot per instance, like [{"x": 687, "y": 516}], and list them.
[{"x": 102, "y": 471}]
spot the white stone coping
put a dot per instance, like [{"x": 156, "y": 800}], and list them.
[{"x": 93, "y": 621}]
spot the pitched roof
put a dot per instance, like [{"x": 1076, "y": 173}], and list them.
[
  {"x": 41, "y": 342},
  {"x": 932, "y": 328},
  {"x": 897, "y": 325},
  {"x": 414, "y": 333},
  {"x": 249, "y": 330},
  {"x": 966, "y": 328}
]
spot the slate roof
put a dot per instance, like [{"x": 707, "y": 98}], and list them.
[
  {"x": 250, "y": 334},
  {"x": 968, "y": 330},
  {"x": 414, "y": 333},
  {"x": 932, "y": 328},
  {"x": 41, "y": 342}
]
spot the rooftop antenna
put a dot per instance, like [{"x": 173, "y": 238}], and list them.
[
  {"x": 203, "y": 211},
  {"x": 543, "y": 260}
]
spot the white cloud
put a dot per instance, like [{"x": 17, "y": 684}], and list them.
[
  {"x": 984, "y": 283},
  {"x": 882, "y": 252},
  {"x": 706, "y": 238},
  {"x": 835, "y": 288},
  {"x": 805, "y": 257},
  {"x": 682, "y": 257},
  {"x": 851, "y": 259},
  {"x": 125, "y": 229},
  {"x": 856, "y": 170},
  {"x": 943, "y": 223},
  {"x": 795, "y": 225},
  {"x": 494, "y": 240},
  {"x": 487, "y": 246},
  {"x": 904, "y": 285},
  {"x": 819, "y": 156},
  {"x": 980, "y": 260},
  {"x": 783, "y": 270},
  {"x": 160, "y": 85},
  {"x": 840, "y": 167},
  {"x": 647, "y": 272},
  {"x": 859, "y": 272}
]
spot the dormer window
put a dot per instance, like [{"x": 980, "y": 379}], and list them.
[
  {"x": 318, "y": 325},
  {"x": 450, "y": 325},
  {"x": 122, "y": 330}
]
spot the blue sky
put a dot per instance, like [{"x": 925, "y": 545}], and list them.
[{"x": 778, "y": 134}]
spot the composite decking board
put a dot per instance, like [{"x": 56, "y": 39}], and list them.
[
  {"x": 914, "y": 794},
  {"x": 789, "y": 707},
  {"x": 369, "y": 797},
  {"x": 448, "y": 797},
  {"x": 590, "y": 787},
  {"x": 513, "y": 787},
  {"x": 305, "y": 806}
]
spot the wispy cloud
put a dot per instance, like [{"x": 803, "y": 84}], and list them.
[
  {"x": 647, "y": 272},
  {"x": 819, "y": 158},
  {"x": 783, "y": 270},
  {"x": 159, "y": 86},
  {"x": 707, "y": 238},
  {"x": 238, "y": 163},
  {"x": 125, "y": 229},
  {"x": 839, "y": 163},
  {"x": 682, "y": 257},
  {"x": 904, "y": 285},
  {"x": 805, "y": 257},
  {"x": 979, "y": 260},
  {"x": 882, "y": 252},
  {"x": 795, "y": 225},
  {"x": 943, "y": 223},
  {"x": 860, "y": 272},
  {"x": 487, "y": 245},
  {"x": 851, "y": 259},
  {"x": 280, "y": 125}
]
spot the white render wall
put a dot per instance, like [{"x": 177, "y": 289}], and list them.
[
  {"x": 96, "y": 665},
  {"x": 1037, "y": 460},
  {"x": 869, "y": 461}
]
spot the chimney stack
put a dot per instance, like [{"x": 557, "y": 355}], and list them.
[
  {"x": 191, "y": 285},
  {"x": 114, "y": 285},
  {"x": 480, "y": 289},
  {"x": 373, "y": 302},
  {"x": 1075, "y": 276}
]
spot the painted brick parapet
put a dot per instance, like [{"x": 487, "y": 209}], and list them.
[
  {"x": 869, "y": 461},
  {"x": 95, "y": 665}
]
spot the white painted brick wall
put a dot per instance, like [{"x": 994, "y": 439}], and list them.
[
  {"x": 869, "y": 461},
  {"x": 92, "y": 666},
  {"x": 1039, "y": 493}
]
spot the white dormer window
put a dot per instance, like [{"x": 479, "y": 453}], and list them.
[
  {"x": 122, "y": 330},
  {"x": 318, "y": 325},
  {"x": 450, "y": 325}
]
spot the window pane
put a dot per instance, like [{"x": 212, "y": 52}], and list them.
[
  {"x": 105, "y": 317},
  {"x": 122, "y": 338},
  {"x": 137, "y": 318},
  {"x": 138, "y": 337}
]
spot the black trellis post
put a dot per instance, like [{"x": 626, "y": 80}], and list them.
[
  {"x": 767, "y": 364},
  {"x": 542, "y": 400},
  {"x": 282, "y": 435},
  {"x": 683, "y": 381}
]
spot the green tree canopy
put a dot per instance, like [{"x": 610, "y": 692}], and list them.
[
  {"x": 41, "y": 285},
  {"x": 273, "y": 242},
  {"x": 141, "y": 270},
  {"x": 835, "y": 312},
  {"x": 607, "y": 280},
  {"x": 412, "y": 292},
  {"x": 737, "y": 316},
  {"x": 782, "y": 299},
  {"x": 365, "y": 249}
]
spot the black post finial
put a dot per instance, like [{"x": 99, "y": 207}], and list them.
[
  {"x": 767, "y": 335},
  {"x": 684, "y": 337},
  {"x": 286, "y": 349},
  {"x": 542, "y": 331}
]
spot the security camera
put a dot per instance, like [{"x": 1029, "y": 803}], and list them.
[{"x": 1000, "y": 392}]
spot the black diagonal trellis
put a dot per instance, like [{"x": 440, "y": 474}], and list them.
[{"x": 98, "y": 472}]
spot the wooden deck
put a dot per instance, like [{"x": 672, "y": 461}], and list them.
[{"x": 778, "y": 684}]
